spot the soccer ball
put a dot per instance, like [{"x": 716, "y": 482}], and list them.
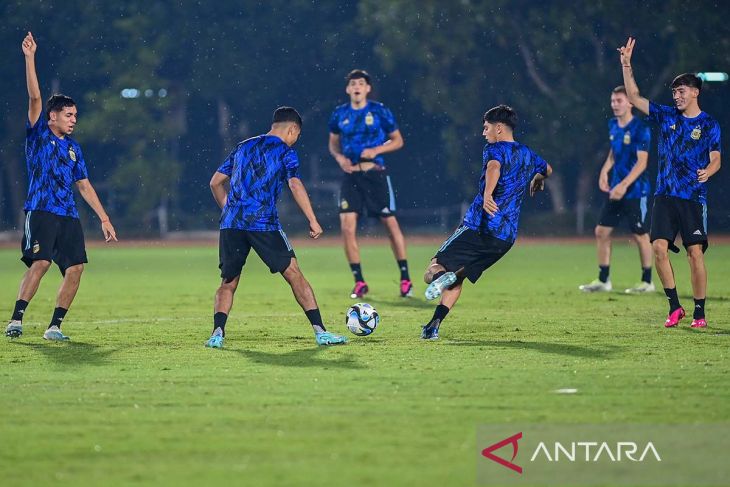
[{"x": 362, "y": 319}]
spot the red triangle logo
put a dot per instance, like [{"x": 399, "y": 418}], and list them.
[{"x": 487, "y": 452}]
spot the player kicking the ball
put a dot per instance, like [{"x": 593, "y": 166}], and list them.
[
  {"x": 689, "y": 154},
  {"x": 257, "y": 169},
  {"x": 52, "y": 228},
  {"x": 489, "y": 227}
]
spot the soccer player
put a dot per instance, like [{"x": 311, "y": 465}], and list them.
[
  {"x": 489, "y": 227},
  {"x": 361, "y": 131},
  {"x": 52, "y": 227},
  {"x": 256, "y": 170},
  {"x": 627, "y": 190},
  {"x": 689, "y": 154}
]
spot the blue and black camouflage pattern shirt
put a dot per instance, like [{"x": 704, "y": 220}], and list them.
[
  {"x": 54, "y": 164},
  {"x": 362, "y": 128},
  {"x": 625, "y": 142},
  {"x": 518, "y": 165},
  {"x": 684, "y": 148},
  {"x": 258, "y": 168}
]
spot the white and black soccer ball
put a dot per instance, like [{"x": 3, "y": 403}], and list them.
[{"x": 362, "y": 319}]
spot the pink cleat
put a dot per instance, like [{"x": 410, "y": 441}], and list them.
[
  {"x": 360, "y": 290},
  {"x": 674, "y": 317},
  {"x": 406, "y": 288},
  {"x": 699, "y": 323}
]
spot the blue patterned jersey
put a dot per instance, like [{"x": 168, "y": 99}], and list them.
[
  {"x": 625, "y": 142},
  {"x": 518, "y": 165},
  {"x": 684, "y": 147},
  {"x": 258, "y": 168},
  {"x": 54, "y": 165},
  {"x": 362, "y": 128}
]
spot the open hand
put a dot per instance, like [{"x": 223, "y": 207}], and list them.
[
  {"x": 108, "y": 229},
  {"x": 490, "y": 206}
]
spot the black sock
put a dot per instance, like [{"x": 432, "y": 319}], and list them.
[
  {"x": 699, "y": 309},
  {"x": 315, "y": 318},
  {"x": 19, "y": 310},
  {"x": 673, "y": 298},
  {"x": 219, "y": 321},
  {"x": 646, "y": 274},
  {"x": 58, "y": 315},
  {"x": 356, "y": 271},
  {"x": 403, "y": 266},
  {"x": 603, "y": 273},
  {"x": 440, "y": 313}
]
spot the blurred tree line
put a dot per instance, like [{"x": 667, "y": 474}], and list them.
[{"x": 210, "y": 73}]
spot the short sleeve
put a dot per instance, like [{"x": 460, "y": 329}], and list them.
[
  {"x": 334, "y": 123},
  {"x": 35, "y": 129},
  {"x": 643, "y": 139},
  {"x": 715, "y": 137},
  {"x": 227, "y": 166},
  {"x": 492, "y": 152},
  {"x": 388, "y": 123},
  {"x": 291, "y": 163},
  {"x": 540, "y": 165},
  {"x": 657, "y": 112},
  {"x": 79, "y": 170}
]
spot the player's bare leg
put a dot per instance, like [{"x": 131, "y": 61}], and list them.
[
  {"x": 304, "y": 295},
  {"x": 221, "y": 310},
  {"x": 603, "y": 251},
  {"x": 645, "y": 256},
  {"x": 666, "y": 275},
  {"x": 698, "y": 273},
  {"x": 348, "y": 225},
  {"x": 28, "y": 287},
  {"x": 398, "y": 246},
  {"x": 69, "y": 286}
]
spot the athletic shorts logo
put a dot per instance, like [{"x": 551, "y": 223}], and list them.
[
  {"x": 627, "y": 138},
  {"x": 36, "y": 247},
  {"x": 369, "y": 119},
  {"x": 697, "y": 232},
  {"x": 512, "y": 440},
  {"x": 72, "y": 154},
  {"x": 385, "y": 211},
  {"x": 696, "y": 133},
  {"x": 344, "y": 204}
]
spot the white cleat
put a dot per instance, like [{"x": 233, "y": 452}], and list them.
[
  {"x": 54, "y": 334},
  {"x": 596, "y": 286},
  {"x": 641, "y": 288},
  {"x": 14, "y": 329}
]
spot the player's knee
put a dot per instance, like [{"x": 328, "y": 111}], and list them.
[
  {"x": 602, "y": 233},
  {"x": 75, "y": 270},
  {"x": 660, "y": 250},
  {"x": 694, "y": 253},
  {"x": 41, "y": 265}
]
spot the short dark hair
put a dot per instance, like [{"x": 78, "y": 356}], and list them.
[
  {"x": 58, "y": 102},
  {"x": 620, "y": 89},
  {"x": 502, "y": 114},
  {"x": 358, "y": 74},
  {"x": 287, "y": 114},
  {"x": 687, "y": 79}
]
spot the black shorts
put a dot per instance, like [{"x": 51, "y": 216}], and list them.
[
  {"x": 633, "y": 210},
  {"x": 671, "y": 216},
  {"x": 53, "y": 238},
  {"x": 473, "y": 251},
  {"x": 368, "y": 191},
  {"x": 234, "y": 246}
]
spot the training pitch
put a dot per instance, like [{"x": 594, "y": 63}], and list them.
[{"x": 136, "y": 399}]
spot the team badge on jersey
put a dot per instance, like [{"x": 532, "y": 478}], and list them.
[
  {"x": 696, "y": 133},
  {"x": 627, "y": 138},
  {"x": 369, "y": 119},
  {"x": 72, "y": 154},
  {"x": 610, "y": 137},
  {"x": 344, "y": 204},
  {"x": 346, "y": 121}
]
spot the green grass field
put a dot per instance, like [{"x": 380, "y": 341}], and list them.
[{"x": 135, "y": 398}]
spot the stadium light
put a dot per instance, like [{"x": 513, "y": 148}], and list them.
[
  {"x": 148, "y": 93},
  {"x": 711, "y": 77}
]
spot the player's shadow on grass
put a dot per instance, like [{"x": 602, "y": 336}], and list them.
[
  {"x": 71, "y": 352},
  {"x": 299, "y": 358},
  {"x": 543, "y": 347}
]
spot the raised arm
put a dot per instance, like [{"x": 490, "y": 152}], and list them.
[
  {"x": 394, "y": 142},
  {"x": 35, "y": 104},
  {"x": 632, "y": 89},
  {"x": 299, "y": 192},
  {"x": 89, "y": 194}
]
